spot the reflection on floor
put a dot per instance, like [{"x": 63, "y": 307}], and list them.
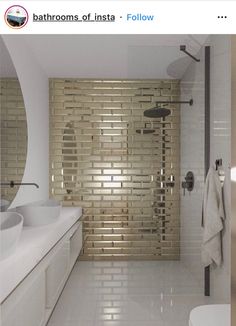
[{"x": 128, "y": 294}]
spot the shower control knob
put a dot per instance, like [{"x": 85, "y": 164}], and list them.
[{"x": 189, "y": 182}]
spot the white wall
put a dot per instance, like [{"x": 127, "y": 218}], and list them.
[
  {"x": 119, "y": 56},
  {"x": 220, "y": 148},
  {"x": 7, "y": 68},
  {"x": 34, "y": 84},
  {"x": 233, "y": 183},
  {"x": 192, "y": 159}
]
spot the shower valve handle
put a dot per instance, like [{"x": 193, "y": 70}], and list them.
[{"x": 189, "y": 182}]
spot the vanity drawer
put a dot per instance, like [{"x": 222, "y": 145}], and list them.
[
  {"x": 26, "y": 305},
  {"x": 56, "y": 274},
  {"x": 76, "y": 244}
]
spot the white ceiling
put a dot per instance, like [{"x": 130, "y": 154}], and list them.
[{"x": 113, "y": 56}]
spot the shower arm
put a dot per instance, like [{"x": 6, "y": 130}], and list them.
[
  {"x": 183, "y": 49},
  {"x": 190, "y": 102}
]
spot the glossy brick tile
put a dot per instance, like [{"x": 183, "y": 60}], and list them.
[{"x": 128, "y": 294}]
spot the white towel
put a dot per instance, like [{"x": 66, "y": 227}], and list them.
[{"x": 213, "y": 219}]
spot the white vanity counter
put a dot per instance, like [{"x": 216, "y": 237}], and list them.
[{"x": 34, "y": 244}]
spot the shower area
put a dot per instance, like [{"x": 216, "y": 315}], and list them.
[
  {"x": 121, "y": 164},
  {"x": 132, "y": 154}
]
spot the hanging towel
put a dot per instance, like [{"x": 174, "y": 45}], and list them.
[{"x": 213, "y": 219}]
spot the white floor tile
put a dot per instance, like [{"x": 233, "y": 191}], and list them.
[
  {"x": 75, "y": 323},
  {"x": 74, "y": 306},
  {"x": 129, "y": 323},
  {"x": 128, "y": 294}
]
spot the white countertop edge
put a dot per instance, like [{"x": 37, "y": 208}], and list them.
[{"x": 34, "y": 244}]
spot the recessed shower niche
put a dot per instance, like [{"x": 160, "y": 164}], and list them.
[{"x": 120, "y": 166}]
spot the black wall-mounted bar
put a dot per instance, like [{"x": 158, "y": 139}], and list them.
[
  {"x": 183, "y": 49},
  {"x": 207, "y": 146},
  {"x": 13, "y": 184},
  {"x": 190, "y": 102}
]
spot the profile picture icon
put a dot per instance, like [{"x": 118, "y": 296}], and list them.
[{"x": 16, "y": 17}]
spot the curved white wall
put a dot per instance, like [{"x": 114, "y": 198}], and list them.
[{"x": 34, "y": 84}]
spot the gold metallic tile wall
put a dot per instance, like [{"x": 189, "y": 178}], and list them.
[
  {"x": 126, "y": 179},
  {"x": 13, "y": 135}
]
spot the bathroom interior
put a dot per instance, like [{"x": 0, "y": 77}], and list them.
[{"x": 106, "y": 146}]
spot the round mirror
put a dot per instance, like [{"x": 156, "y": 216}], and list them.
[{"x": 13, "y": 130}]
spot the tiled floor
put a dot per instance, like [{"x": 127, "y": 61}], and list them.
[{"x": 128, "y": 294}]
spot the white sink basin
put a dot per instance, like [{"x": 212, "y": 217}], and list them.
[
  {"x": 40, "y": 212},
  {"x": 10, "y": 229}
]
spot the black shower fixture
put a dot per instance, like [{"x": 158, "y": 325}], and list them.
[
  {"x": 157, "y": 112},
  {"x": 183, "y": 49},
  {"x": 145, "y": 131},
  {"x": 162, "y": 112}
]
